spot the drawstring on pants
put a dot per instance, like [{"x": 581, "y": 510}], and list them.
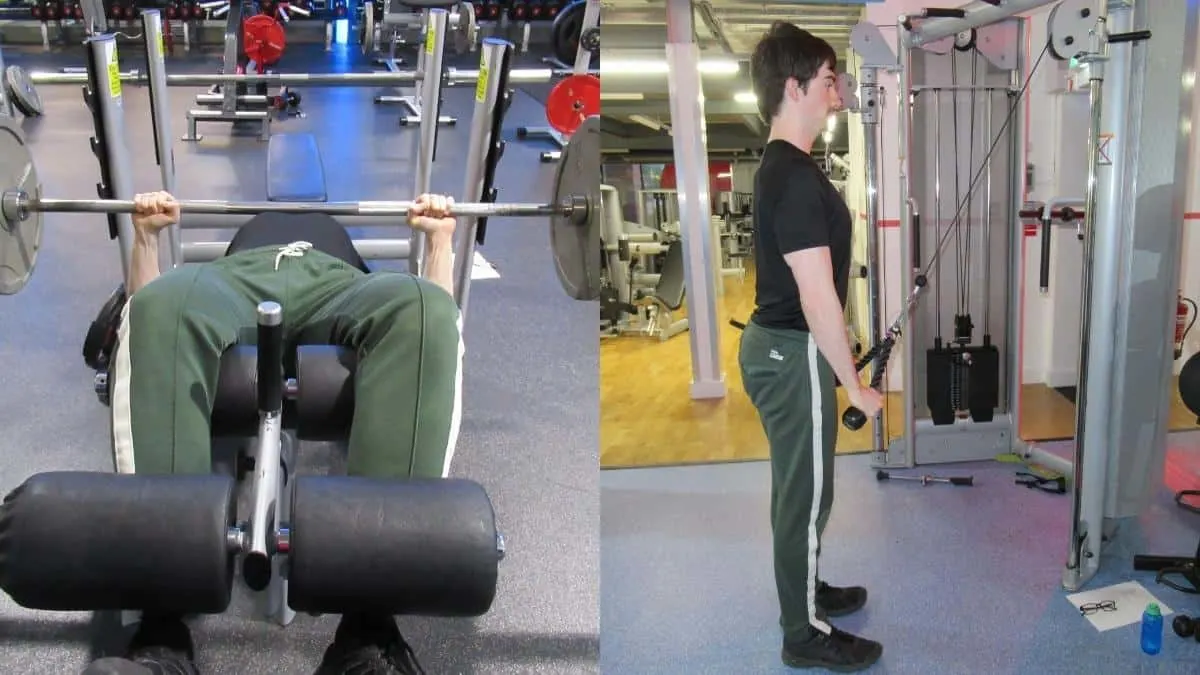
[{"x": 296, "y": 249}]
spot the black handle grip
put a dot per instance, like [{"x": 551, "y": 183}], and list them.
[
  {"x": 1044, "y": 267},
  {"x": 969, "y": 480},
  {"x": 853, "y": 419},
  {"x": 1131, "y": 36},
  {"x": 916, "y": 241},
  {"x": 944, "y": 13},
  {"x": 270, "y": 357}
]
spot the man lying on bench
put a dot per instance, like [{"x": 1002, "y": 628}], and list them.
[{"x": 406, "y": 331}]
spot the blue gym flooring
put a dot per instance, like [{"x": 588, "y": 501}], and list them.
[
  {"x": 961, "y": 580},
  {"x": 529, "y": 431}
]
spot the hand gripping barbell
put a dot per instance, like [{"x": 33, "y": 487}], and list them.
[{"x": 574, "y": 211}]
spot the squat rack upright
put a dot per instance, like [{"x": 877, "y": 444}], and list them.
[{"x": 106, "y": 92}]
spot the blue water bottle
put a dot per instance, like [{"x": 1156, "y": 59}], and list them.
[{"x": 1152, "y": 629}]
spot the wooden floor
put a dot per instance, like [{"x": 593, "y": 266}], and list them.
[{"x": 649, "y": 419}]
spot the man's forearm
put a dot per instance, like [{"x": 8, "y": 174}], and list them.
[
  {"x": 143, "y": 265},
  {"x": 826, "y": 322},
  {"x": 439, "y": 260}
]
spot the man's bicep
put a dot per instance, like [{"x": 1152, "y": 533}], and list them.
[{"x": 800, "y": 221}]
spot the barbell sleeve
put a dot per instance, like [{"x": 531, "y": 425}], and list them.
[{"x": 17, "y": 205}]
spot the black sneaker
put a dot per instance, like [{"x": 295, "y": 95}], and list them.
[
  {"x": 839, "y": 601},
  {"x": 162, "y": 645},
  {"x": 838, "y": 651},
  {"x": 369, "y": 645}
]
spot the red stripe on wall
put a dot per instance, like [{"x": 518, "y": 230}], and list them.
[{"x": 1031, "y": 230}]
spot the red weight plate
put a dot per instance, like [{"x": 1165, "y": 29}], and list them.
[
  {"x": 263, "y": 39},
  {"x": 571, "y": 101}
]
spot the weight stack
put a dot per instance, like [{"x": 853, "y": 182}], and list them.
[{"x": 962, "y": 378}]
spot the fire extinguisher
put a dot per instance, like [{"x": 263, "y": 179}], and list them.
[{"x": 1182, "y": 324}]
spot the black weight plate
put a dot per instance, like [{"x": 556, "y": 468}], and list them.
[
  {"x": 576, "y": 245},
  {"x": 22, "y": 92},
  {"x": 568, "y": 26}
]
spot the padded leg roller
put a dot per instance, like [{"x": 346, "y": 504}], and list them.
[
  {"x": 425, "y": 547},
  {"x": 79, "y": 541}
]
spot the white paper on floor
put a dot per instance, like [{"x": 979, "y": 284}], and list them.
[
  {"x": 482, "y": 269},
  {"x": 1130, "y": 597}
]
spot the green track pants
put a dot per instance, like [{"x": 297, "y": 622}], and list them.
[
  {"x": 792, "y": 387},
  {"x": 405, "y": 330}
]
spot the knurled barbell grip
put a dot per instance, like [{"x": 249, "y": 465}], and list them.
[{"x": 17, "y": 206}]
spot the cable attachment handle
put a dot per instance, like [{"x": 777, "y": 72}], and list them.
[{"x": 853, "y": 418}]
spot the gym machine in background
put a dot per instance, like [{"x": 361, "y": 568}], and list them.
[
  {"x": 63, "y": 23},
  {"x": 395, "y": 18},
  {"x": 1127, "y": 304},
  {"x": 961, "y": 409},
  {"x": 577, "y": 26}
]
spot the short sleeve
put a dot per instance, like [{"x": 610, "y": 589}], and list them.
[{"x": 800, "y": 221}]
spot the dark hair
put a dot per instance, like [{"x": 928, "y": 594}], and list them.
[{"x": 786, "y": 51}]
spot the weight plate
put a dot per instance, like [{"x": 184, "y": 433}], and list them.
[
  {"x": 367, "y": 39},
  {"x": 565, "y": 34},
  {"x": 22, "y": 92},
  {"x": 574, "y": 99},
  {"x": 19, "y": 240},
  {"x": 263, "y": 39},
  {"x": 464, "y": 34},
  {"x": 576, "y": 245}
]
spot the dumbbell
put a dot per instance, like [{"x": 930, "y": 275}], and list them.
[{"x": 1187, "y": 626}]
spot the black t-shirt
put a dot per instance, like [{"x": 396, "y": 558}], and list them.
[
  {"x": 280, "y": 229},
  {"x": 795, "y": 208}
]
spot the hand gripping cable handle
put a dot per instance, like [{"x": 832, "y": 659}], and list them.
[{"x": 853, "y": 418}]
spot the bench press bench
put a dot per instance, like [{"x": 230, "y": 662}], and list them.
[
  {"x": 295, "y": 172},
  {"x": 312, "y": 543}
]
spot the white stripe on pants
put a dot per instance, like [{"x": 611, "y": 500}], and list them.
[{"x": 818, "y": 462}]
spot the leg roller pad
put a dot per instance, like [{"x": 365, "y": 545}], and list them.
[
  {"x": 421, "y": 546},
  {"x": 79, "y": 541}
]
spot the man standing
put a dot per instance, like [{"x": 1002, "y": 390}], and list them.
[{"x": 795, "y": 342}]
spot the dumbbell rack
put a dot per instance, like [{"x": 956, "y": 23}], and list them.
[
  {"x": 583, "y": 60},
  {"x": 231, "y": 104}
]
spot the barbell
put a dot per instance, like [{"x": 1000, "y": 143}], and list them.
[{"x": 574, "y": 211}]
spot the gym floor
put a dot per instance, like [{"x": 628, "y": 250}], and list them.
[
  {"x": 530, "y": 389},
  {"x": 960, "y": 580},
  {"x": 655, "y": 422}
]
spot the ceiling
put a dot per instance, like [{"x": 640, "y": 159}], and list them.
[{"x": 635, "y": 106}]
